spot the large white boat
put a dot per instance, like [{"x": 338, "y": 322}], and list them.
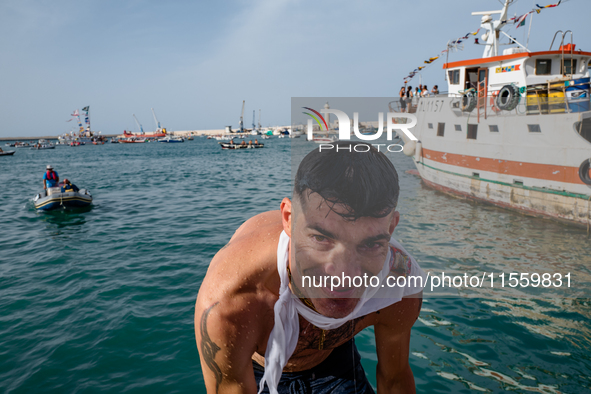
[
  {"x": 514, "y": 128},
  {"x": 82, "y": 135}
]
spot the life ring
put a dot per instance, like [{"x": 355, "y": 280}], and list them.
[
  {"x": 584, "y": 172},
  {"x": 493, "y": 102},
  {"x": 468, "y": 102},
  {"x": 508, "y": 98}
]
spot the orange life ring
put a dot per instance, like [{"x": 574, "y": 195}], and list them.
[{"x": 493, "y": 102}]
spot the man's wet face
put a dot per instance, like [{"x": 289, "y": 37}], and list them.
[{"x": 324, "y": 244}]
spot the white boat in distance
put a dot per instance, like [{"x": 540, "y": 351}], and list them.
[
  {"x": 43, "y": 144},
  {"x": 324, "y": 139},
  {"x": 170, "y": 139},
  {"x": 514, "y": 129}
]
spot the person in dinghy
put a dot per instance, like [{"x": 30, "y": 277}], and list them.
[
  {"x": 270, "y": 317},
  {"x": 50, "y": 177}
]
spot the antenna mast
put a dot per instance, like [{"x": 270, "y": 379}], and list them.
[
  {"x": 494, "y": 29},
  {"x": 242, "y": 118}
]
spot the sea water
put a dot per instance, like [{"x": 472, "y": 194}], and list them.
[{"x": 103, "y": 299}]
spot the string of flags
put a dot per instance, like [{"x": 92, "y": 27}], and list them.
[
  {"x": 452, "y": 45},
  {"x": 549, "y": 6},
  {"x": 517, "y": 20}
]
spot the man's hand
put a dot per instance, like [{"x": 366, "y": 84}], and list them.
[{"x": 392, "y": 333}]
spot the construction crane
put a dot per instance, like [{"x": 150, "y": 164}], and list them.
[
  {"x": 138, "y": 124},
  {"x": 242, "y": 118},
  {"x": 259, "y": 120},
  {"x": 156, "y": 120}
]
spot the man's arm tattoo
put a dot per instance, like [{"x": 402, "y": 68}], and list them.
[{"x": 209, "y": 349}]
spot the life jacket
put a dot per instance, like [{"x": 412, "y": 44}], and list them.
[{"x": 50, "y": 175}]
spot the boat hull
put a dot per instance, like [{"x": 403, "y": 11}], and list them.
[
  {"x": 66, "y": 200},
  {"x": 239, "y": 147},
  {"x": 7, "y": 153},
  {"x": 536, "y": 173},
  {"x": 560, "y": 205}
]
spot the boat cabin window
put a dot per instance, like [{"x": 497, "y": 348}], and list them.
[
  {"x": 454, "y": 77},
  {"x": 472, "y": 78},
  {"x": 568, "y": 68},
  {"x": 458, "y": 127},
  {"x": 440, "y": 129},
  {"x": 472, "y": 131},
  {"x": 430, "y": 125},
  {"x": 534, "y": 128},
  {"x": 493, "y": 128},
  {"x": 543, "y": 66}
]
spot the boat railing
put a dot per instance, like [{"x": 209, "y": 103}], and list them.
[
  {"x": 561, "y": 48},
  {"x": 532, "y": 102}
]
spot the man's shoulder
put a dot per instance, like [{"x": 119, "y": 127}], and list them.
[
  {"x": 259, "y": 228},
  {"x": 247, "y": 265}
]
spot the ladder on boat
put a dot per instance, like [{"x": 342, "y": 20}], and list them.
[{"x": 481, "y": 97}]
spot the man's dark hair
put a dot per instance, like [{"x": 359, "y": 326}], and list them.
[{"x": 365, "y": 182}]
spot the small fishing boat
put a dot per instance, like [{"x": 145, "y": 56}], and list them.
[
  {"x": 22, "y": 145},
  {"x": 190, "y": 138},
  {"x": 43, "y": 144},
  {"x": 58, "y": 197},
  {"x": 325, "y": 139},
  {"x": 240, "y": 146},
  {"x": 132, "y": 140},
  {"x": 9, "y": 153},
  {"x": 170, "y": 139},
  {"x": 10, "y": 145}
]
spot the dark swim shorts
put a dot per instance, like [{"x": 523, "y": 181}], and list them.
[{"x": 340, "y": 373}]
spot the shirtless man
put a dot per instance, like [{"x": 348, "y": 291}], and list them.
[{"x": 335, "y": 226}]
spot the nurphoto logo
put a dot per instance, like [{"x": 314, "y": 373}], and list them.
[{"x": 345, "y": 122}]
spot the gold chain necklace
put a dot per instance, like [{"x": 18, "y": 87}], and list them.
[{"x": 309, "y": 304}]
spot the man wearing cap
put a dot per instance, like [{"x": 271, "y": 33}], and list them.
[
  {"x": 50, "y": 178},
  {"x": 261, "y": 327}
]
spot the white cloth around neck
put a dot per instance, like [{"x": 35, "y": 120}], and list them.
[{"x": 285, "y": 333}]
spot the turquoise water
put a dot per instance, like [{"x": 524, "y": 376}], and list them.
[{"x": 102, "y": 300}]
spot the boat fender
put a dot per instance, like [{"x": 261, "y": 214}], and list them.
[
  {"x": 409, "y": 148},
  {"x": 468, "y": 102},
  {"x": 584, "y": 172},
  {"x": 418, "y": 151},
  {"x": 508, "y": 98},
  {"x": 493, "y": 102}
]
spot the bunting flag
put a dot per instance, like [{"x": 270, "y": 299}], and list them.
[
  {"x": 549, "y": 6},
  {"x": 520, "y": 20},
  {"x": 86, "y": 108}
]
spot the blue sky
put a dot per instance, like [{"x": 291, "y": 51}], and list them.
[{"x": 195, "y": 61}]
